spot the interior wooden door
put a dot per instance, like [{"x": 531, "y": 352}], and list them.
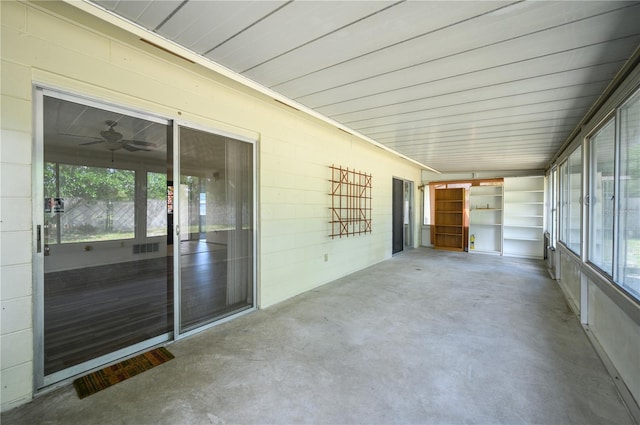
[{"x": 449, "y": 219}]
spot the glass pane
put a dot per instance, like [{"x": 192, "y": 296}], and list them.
[
  {"x": 553, "y": 204},
  {"x": 216, "y": 222},
  {"x": 98, "y": 203},
  {"x": 628, "y": 263},
  {"x": 575, "y": 192},
  {"x": 107, "y": 285},
  {"x": 564, "y": 202},
  {"x": 156, "y": 204},
  {"x": 601, "y": 198}
]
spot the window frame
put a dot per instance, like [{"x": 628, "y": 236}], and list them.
[
  {"x": 618, "y": 178},
  {"x": 610, "y": 118},
  {"x": 567, "y": 202},
  {"x": 614, "y": 278}
]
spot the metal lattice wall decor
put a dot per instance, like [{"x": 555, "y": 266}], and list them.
[{"x": 350, "y": 202}]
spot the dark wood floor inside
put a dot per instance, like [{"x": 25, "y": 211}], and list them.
[{"x": 94, "y": 311}]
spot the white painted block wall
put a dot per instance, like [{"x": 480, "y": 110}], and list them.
[
  {"x": 56, "y": 45},
  {"x": 614, "y": 330},
  {"x": 16, "y": 326}
]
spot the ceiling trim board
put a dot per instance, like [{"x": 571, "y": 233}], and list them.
[
  {"x": 384, "y": 9},
  {"x": 483, "y": 100},
  {"x": 490, "y": 68},
  {"x": 400, "y": 127},
  {"x": 475, "y": 130},
  {"x": 511, "y": 107},
  {"x": 397, "y": 43},
  {"x": 620, "y": 77},
  {"x": 254, "y": 23},
  {"x": 130, "y": 27},
  {"x": 462, "y": 52}
]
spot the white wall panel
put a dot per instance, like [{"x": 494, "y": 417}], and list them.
[
  {"x": 14, "y": 214},
  {"x": 15, "y": 147},
  {"x": 15, "y": 180},
  {"x": 570, "y": 279},
  {"x": 16, "y": 315},
  {"x": 618, "y": 335},
  {"x": 16, "y": 385},
  {"x": 16, "y": 281},
  {"x": 294, "y": 154},
  {"x": 13, "y": 346}
]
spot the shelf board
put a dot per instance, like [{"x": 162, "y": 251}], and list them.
[
  {"x": 486, "y": 209},
  {"x": 526, "y": 226}
]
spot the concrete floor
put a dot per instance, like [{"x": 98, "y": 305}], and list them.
[{"x": 428, "y": 337}]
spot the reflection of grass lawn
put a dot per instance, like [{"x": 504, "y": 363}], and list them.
[
  {"x": 71, "y": 238},
  {"x": 633, "y": 252},
  {"x": 116, "y": 236}
]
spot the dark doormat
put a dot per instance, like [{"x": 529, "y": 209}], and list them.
[{"x": 111, "y": 375}]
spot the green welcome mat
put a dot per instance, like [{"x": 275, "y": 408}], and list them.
[{"x": 111, "y": 375}]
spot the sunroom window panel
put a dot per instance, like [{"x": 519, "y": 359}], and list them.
[
  {"x": 575, "y": 193},
  {"x": 601, "y": 198},
  {"x": 628, "y": 262}
]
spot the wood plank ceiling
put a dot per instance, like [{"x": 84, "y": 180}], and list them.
[{"x": 461, "y": 86}]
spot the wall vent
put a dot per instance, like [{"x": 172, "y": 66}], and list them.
[{"x": 144, "y": 248}]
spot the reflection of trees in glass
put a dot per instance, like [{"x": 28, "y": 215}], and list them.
[
  {"x": 89, "y": 183},
  {"x": 96, "y": 184},
  {"x": 156, "y": 186},
  {"x": 156, "y": 204},
  {"x": 91, "y": 195}
]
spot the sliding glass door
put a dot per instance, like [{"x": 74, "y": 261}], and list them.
[
  {"x": 216, "y": 227},
  {"x": 105, "y": 283},
  {"x": 134, "y": 247}
]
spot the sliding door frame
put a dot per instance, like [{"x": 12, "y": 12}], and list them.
[
  {"x": 42, "y": 383},
  {"x": 40, "y": 380},
  {"x": 177, "y": 286}
]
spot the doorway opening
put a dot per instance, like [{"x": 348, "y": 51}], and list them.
[{"x": 402, "y": 216}]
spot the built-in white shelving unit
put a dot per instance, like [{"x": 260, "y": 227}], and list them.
[
  {"x": 485, "y": 219},
  {"x": 523, "y": 217}
]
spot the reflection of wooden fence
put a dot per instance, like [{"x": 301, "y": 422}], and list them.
[
  {"x": 103, "y": 216},
  {"x": 350, "y": 202}
]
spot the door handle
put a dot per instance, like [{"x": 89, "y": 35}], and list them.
[{"x": 38, "y": 239}]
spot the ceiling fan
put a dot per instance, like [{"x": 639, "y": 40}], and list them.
[{"x": 114, "y": 140}]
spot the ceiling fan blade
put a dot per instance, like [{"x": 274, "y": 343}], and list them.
[
  {"x": 92, "y": 143},
  {"x": 78, "y": 136},
  {"x": 132, "y": 148},
  {"x": 139, "y": 143}
]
